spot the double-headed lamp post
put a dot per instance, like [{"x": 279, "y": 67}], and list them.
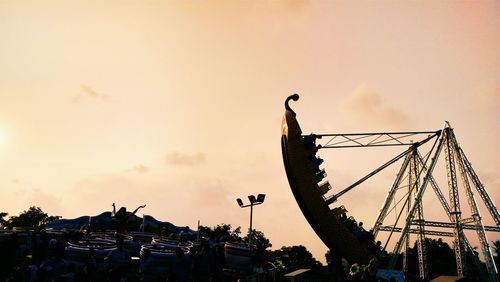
[{"x": 253, "y": 202}]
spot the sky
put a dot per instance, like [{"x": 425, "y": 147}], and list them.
[{"x": 178, "y": 104}]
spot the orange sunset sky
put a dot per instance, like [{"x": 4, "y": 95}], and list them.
[{"x": 178, "y": 104}]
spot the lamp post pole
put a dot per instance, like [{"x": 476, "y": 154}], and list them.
[
  {"x": 251, "y": 230},
  {"x": 253, "y": 202}
]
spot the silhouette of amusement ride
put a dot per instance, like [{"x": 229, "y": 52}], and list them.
[
  {"x": 341, "y": 234},
  {"x": 91, "y": 248}
]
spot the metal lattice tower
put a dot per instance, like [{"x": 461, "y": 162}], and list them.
[
  {"x": 476, "y": 217},
  {"x": 417, "y": 172},
  {"x": 422, "y": 250},
  {"x": 454, "y": 204},
  {"x": 413, "y": 183},
  {"x": 454, "y": 157},
  {"x": 411, "y": 193}
]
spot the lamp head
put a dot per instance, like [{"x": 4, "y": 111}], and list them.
[
  {"x": 240, "y": 202},
  {"x": 252, "y": 199},
  {"x": 261, "y": 197}
]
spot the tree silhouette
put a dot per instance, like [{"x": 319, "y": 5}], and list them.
[
  {"x": 221, "y": 232},
  {"x": 3, "y": 221},
  {"x": 440, "y": 259},
  {"x": 288, "y": 259},
  {"x": 330, "y": 259},
  {"x": 259, "y": 239},
  {"x": 33, "y": 217}
]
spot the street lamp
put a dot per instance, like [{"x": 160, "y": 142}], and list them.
[{"x": 253, "y": 202}]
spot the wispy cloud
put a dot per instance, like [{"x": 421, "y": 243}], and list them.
[
  {"x": 89, "y": 92},
  {"x": 141, "y": 168},
  {"x": 176, "y": 158},
  {"x": 366, "y": 107},
  {"x": 48, "y": 202},
  {"x": 212, "y": 193}
]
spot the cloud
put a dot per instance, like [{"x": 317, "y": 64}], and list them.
[
  {"x": 89, "y": 92},
  {"x": 212, "y": 193},
  {"x": 180, "y": 159},
  {"x": 17, "y": 198},
  {"x": 95, "y": 194},
  {"x": 92, "y": 93},
  {"x": 366, "y": 107},
  {"x": 141, "y": 168},
  {"x": 48, "y": 202},
  {"x": 113, "y": 183}
]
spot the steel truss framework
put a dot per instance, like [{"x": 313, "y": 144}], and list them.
[{"x": 417, "y": 171}]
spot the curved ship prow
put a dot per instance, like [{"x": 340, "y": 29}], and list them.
[{"x": 308, "y": 186}]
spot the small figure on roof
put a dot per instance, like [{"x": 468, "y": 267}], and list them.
[{"x": 121, "y": 218}]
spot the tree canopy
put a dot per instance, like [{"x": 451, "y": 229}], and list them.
[
  {"x": 33, "y": 217},
  {"x": 441, "y": 260},
  {"x": 220, "y": 232},
  {"x": 288, "y": 259},
  {"x": 258, "y": 239},
  {"x": 3, "y": 221}
]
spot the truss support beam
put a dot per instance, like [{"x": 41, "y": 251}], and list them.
[
  {"x": 451, "y": 225},
  {"x": 436, "y": 189},
  {"x": 375, "y": 139},
  {"x": 418, "y": 198},
  {"x": 415, "y": 145},
  {"x": 416, "y": 231},
  {"x": 476, "y": 217},
  {"x": 422, "y": 250},
  {"x": 390, "y": 196},
  {"x": 480, "y": 188},
  {"x": 411, "y": 191},
  {"x": 454, "y": 203}
]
